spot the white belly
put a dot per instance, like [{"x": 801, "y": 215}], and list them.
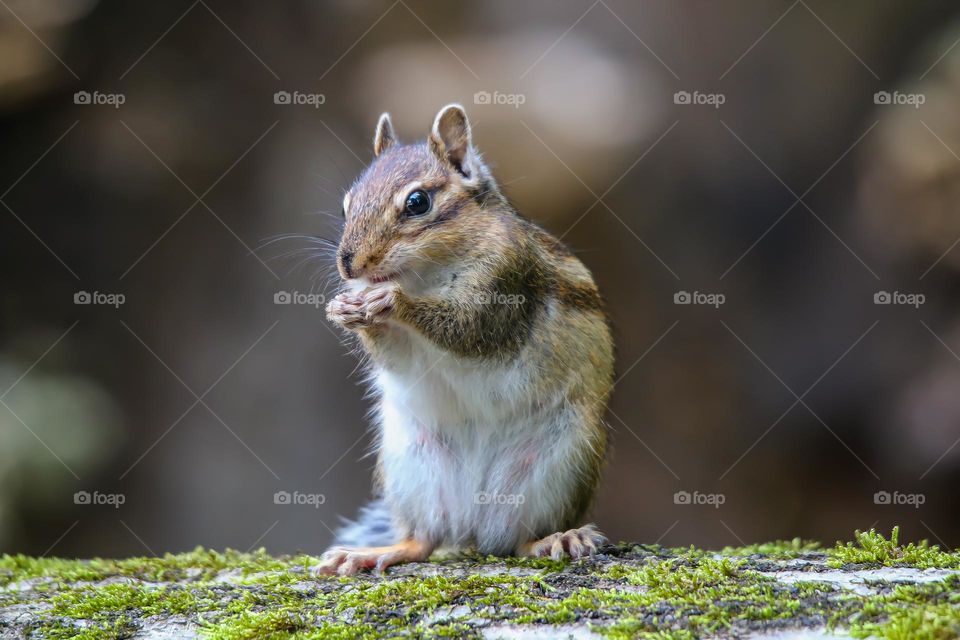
[{"x": 468, "y": 455}]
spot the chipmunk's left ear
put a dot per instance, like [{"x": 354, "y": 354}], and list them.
[
  {"x": 384, "y": 138},
  {"x": 450, "y": 141}
]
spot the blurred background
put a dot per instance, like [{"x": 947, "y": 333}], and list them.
[{"x": 789, "y": 168}]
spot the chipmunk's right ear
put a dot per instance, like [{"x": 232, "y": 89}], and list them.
[{"x": 384, "y": 138}]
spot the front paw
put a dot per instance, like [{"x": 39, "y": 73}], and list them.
[
  {"x": 347, "y": 311},
  {"x": 379, "y": 303},
  {"x": 364, "y": 309}
]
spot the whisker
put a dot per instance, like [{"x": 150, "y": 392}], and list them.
[
  {"x": 302, "y": 263},
  {"x": 296, "y": 236},
  {"x": 326, "y": 253},
  {"x": 323, "y": 212},
  {"x": 425, "y": 259}
]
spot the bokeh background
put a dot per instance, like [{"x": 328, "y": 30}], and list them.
[{"x": 186, "y": 187}]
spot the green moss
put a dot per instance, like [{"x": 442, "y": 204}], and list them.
[
  {"x": 872, "y": 548},
  {"x": 547, "y": 564},
  {"x": 428, "y": 592},
  {"x": 119, "y": 628},
  {"x": 912, "y": 612},
  {"x": 706, "y": 594},
  {"x": 777, "y": 550},
  {"x": 88, "y": 603},
  {"x": 638, "y": 592},
  {"x": 274, "y": 623},
  {"x": 198, "y": 564}
]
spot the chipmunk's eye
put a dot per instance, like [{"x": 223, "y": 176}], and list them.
[{"x": 418, "y": 203}]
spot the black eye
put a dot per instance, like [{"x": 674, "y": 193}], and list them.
[{"x": 418, "y": 203}]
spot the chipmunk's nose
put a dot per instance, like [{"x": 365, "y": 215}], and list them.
[{"x": 346, "y": 260}]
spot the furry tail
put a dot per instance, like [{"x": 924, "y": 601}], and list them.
[{"x": 372, "y": 528}]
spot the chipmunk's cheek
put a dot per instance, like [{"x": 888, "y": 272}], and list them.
[{"x": 437, "y": 253}]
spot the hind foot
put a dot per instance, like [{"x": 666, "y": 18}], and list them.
[
  {"x": 575, "y": 543},
  {"x": 346, "y": 561}
]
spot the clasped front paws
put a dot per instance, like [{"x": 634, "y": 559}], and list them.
[{"x": 364, "y": 309}]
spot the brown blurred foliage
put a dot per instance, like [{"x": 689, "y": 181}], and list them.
[{"x": 799, "y": 198}]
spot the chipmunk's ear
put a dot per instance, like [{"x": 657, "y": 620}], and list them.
[
  {"x": 384, "y": 138},
  {"x": 450, "y": 140}
]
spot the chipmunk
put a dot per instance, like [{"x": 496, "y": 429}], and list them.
[{"x": 489, "y": 354}]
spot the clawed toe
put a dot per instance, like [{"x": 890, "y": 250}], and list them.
[{"x": 575, "y": 543}]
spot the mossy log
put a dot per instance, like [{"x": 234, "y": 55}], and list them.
[{"x": 872, "y": 587}]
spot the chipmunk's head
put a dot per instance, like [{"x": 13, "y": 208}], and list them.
[{"x": 414, "y": 207}]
